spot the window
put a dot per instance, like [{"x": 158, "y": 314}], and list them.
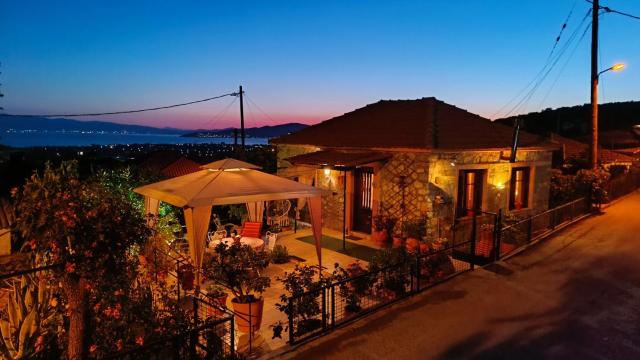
[
  {"x": 469, "y": 192},
  {"x": 519, "y": 192}
]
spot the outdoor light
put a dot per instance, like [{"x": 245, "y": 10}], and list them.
[
  {"x": 500, "y": 186},
  {"x": 616, "y": 67},
  {"x": 327, "y": 171}
]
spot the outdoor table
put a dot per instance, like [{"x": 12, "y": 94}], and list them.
[{"x": 256, "y": 243}]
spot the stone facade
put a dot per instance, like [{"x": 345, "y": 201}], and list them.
[{"x": 415, "y": 184}]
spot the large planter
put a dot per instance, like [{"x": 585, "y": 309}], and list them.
[
  {"x": 398, "y": 243},
  {"x": 221, "y": 302},
  {"x": 248, "y": 315},
  {"x": 380, "y": 238},
  {"x": 412, "y": 245}
]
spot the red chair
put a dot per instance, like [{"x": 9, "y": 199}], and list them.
[{"x": 251, "y": 229}]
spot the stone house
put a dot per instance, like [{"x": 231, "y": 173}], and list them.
[{"x": 416, "y": 158}]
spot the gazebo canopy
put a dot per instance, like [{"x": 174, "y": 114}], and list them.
[
  {"x": 218, "y": 186},
  {"x": 227, "y": 181}
]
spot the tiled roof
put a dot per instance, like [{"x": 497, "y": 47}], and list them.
[
  {"x": 425, "y": 123},
  {"x": 574, "y": 149},
  {"x": 338, "y": 158},
  {"x": 182, "y": 166}
]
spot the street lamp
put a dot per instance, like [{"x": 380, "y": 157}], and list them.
[
  {"x": 594, "y": 111},
  {"x": 616, "y": 67}
]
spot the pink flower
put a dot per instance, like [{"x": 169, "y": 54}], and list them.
[
  {"x": 93, "y": 348},
  {"x": 39, "y": 343},
  {"x": 70, "y": 268},
  {"x": 139, "y": 340},
  {"x": 119, "y": 344}
]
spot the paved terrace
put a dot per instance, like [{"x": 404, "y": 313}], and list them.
[
  {"x": 575, "y": 296},
  {"x": 262, "y": 342}
]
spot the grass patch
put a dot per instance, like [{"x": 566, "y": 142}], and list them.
[{"x": 354, "y": 250}]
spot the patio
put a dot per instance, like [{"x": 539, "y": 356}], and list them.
[
  {"x": 262, "y": 341},
  {"x": 230, "y": 181},
  {"x": 300, "y": 252}
]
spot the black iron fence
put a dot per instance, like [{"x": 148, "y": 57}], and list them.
[
  {"x": 322, "y": 310},
  {"x": 523, "y": 232},
  {"x": 623, "y": 185},
  {"x": 478, "y": 239},
  {"x": 213, "y": 339}
]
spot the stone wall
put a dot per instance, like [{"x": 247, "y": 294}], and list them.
[
  {"x": 403, "y": 187},
  {"x": 411, "y": 185}
]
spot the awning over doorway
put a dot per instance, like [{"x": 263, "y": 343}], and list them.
[{"x": 338, "y": 158}]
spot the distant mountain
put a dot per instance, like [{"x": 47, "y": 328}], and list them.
[
  {"x": 575, "y": 121},
  {"x": 256, "y": 132},
  {"x": 22, "y": 123}
]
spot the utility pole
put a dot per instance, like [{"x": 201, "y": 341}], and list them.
[
  {"x": 594, "y": 85},
  {"x": 241, "y": 118}
]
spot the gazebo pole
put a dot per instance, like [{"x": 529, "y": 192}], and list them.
[{"x": 344, "y": 212}]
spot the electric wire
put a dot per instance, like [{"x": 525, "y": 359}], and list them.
[
  {"x": 262, "y": 111},
  {"x": 573, "y": 51},
  {"x": 126, "y": 111},
  {"x": 525, "y": 100},
  {"x": 209, "y": 124},
  {"x": 544, "y": 67},
  {"x": 610, "y": 10}
]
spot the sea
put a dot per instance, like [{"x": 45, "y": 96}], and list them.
[{"x": 37, "y": 138}]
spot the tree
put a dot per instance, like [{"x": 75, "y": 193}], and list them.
[{"x": 87, "y": 229}]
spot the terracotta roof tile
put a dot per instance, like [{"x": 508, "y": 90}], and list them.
[
  {"x": 182, "y": 166},
  {"x": 574, "y": 149},
  {"x": 338, "y": 158},
  {"x": 424, "y": 123}
]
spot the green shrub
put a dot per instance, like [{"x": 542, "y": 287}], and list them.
[{"x": 280, "y": 254}]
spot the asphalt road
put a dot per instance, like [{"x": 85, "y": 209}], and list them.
[{"x": 573, "y": 296}]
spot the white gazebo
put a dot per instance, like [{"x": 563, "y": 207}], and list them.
[{"x": 223, "y": 182}]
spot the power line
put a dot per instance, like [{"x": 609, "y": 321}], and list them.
[
  {"x": 564, "y": 26},
  {"x": 525, "y": 100},
  {"x": 262, "y": 111},
  {"x": 126, "y": 111},
  {"x": 610, "y": 10},
  {"x": 542, "y": 70},
  {"x": 220, "y": 115},
  {"x": 573, "y": 51}
]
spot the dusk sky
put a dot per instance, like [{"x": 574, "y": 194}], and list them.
[{"x": 302, "y": 61}]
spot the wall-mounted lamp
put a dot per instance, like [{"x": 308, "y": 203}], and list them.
[
  {"x": 500, "y": 186},
  {"x": 327, "y": 171}
]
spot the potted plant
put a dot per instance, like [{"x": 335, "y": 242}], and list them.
[
  {"x": 218, "y": 297},
  {"x": 355, "y": 283},
  {"x": 393, "y": 269},
  {"x": 414, "y": 231},
  {"x": 280, "y": 254},
  {"x": 305, "y": 285},
  {"x": 435, "y": 267},
  {"x": 383, "y": 230},
  {"x": 238, "y": 268}
]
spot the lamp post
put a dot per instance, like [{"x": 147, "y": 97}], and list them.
[{"x": 594, "y": 114}]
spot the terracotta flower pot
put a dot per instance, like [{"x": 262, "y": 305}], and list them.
[
  {"x": 248, "y": 315},
  {"x": 413, "y": 245},
  {"x": 380, "y": 238},
  {"x": 424, "y": 248},
  {"x": 221, "y": 301},
  {"x": 398, "y": 242}
]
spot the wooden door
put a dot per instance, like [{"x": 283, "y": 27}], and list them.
[{"x": 363, "y": 199}]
